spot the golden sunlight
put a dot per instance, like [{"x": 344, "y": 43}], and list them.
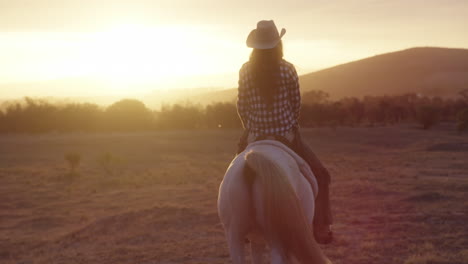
[
  {"x": 134, "y": 53},
  {"x": 126, "y": 58}
]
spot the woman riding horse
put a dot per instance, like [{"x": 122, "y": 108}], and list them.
[{"x": 269, "y": 103}]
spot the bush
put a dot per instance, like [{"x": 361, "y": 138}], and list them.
[
  {"x": 222, "y": 115},
  {"x": 73, "y": 160},
  {"x": 462, "y": 120},
  {"x": 110, "y": 163},
  {"x": 180, "y": 116},
  {"x": 128, "y": 115},
  {"x": 427, "y": 116}
]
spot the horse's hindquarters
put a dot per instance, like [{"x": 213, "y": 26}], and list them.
[
  {"x": 234, "y": 209},
  {"x": 276, "y": 199},
  {"x": 234, "y": 205}
]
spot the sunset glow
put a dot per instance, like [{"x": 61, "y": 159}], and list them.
[
  {"x": 135, "y": 53},
  {"x": 142, "y": 46}
]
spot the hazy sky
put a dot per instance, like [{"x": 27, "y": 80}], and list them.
[{"x": 181, "y": 43}]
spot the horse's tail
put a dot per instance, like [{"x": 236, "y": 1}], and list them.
[{"x": 285, "y": 221}]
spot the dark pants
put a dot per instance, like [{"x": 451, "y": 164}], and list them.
[{"x": 322, "y": 214}]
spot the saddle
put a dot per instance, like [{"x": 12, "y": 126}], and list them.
[
  {"x": 289, "y": 139},
  {"x": 281, "y": 139}
]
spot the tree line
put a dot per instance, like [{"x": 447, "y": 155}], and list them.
[{"x": 39, "y": 116}]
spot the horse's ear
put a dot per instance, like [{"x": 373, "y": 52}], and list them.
[{"x": 249, "y": 174}]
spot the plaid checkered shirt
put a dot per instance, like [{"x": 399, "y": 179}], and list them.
[{"x": 253, "y": 110}]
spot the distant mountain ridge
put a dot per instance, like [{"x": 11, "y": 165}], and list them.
[{"x": 426, "y": 71}]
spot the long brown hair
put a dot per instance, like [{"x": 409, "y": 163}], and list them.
[{"x": 266, "y": 73}]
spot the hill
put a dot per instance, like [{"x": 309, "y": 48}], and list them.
[{"x": 427, "y": 71}]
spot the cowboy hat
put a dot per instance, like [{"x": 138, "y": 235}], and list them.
[{"x": 265, "y": 36}]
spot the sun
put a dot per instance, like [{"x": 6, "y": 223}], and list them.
[
  {"x": 134, "y": 53},
  {"x": 132, "y": 58}
]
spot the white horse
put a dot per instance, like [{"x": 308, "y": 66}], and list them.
[{"x": 265, "y": 197}]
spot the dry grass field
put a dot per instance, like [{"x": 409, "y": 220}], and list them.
[{"x": 400, "y": 195}]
